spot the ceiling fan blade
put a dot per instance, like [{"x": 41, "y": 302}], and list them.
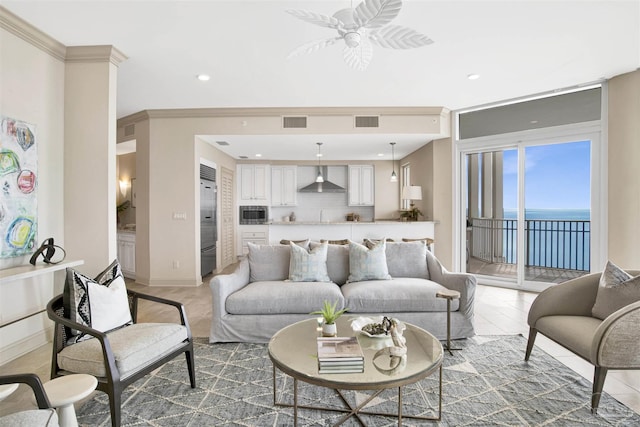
[
  {"x": 376, "y": 13},
  {"x": 315, "y": 18},
  {"x": 360, "y": 56},
  {"x": 398, "y": 37},
  {"x": 313, "y": 46}
]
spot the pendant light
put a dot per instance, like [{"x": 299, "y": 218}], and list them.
[
  {"x": 394, "y": 177},
  {"x": 319, "y": 178}
]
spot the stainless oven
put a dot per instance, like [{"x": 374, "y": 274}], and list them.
[{"x": 253, "y": 214}]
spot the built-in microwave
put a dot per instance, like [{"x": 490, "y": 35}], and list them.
[{"x": 254, "y": 214}]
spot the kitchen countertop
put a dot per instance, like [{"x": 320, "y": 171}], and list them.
[{"x": 383, "y": 221}]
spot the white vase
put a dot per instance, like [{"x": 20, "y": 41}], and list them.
[{"x": 329, "y": 330}]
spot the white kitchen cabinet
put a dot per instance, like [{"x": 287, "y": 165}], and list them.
[
  {"x": 254, "y": 184},
  {"x": 127, "y": 253},
  {"x": 257, "y": 234},
  {"x": 284, "y": 187},
  {"x": 361, "y": 185}
]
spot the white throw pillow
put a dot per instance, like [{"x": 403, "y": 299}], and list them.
[
  {"x": 305, "y": 266},
  {"x": 367, "y": 264},
  {"x": 109, "y": 305},
  {"x": 617, "y": 289},
  {"x": 77, "y": 304}
]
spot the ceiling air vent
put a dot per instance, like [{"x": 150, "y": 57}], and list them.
[
  {"x": 299, "y": 122},
  {"x": 130, "y": 130},
  {"x": 367, "y": 121},
  {"x": 222, "y": 143}
]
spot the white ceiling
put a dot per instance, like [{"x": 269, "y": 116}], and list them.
[{"x": 517, "y": 47}]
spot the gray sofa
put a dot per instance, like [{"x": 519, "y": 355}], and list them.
[{"x": 257, "y": 300}]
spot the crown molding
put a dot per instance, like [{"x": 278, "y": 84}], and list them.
[
  {"x": 30, "y": 34},
  {"x": 133, "y": 118},
  {"x": 101, "y": 53},
  {"x": 283, "y": 111}
]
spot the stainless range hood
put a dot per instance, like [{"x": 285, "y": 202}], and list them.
[{"x": 323, "y": 187}]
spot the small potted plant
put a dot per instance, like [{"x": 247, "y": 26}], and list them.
[
  {"x": 411, "y": 214},
  {"x": 329, "y": 315}
]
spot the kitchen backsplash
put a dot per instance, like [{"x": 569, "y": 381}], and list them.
[{"x": 326, "y": 207}]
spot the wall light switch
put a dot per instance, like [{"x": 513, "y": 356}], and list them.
[{"x": 180, "y": 215}]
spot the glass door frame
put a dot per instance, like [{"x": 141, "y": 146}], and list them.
[{"x": 521, "y": 140}]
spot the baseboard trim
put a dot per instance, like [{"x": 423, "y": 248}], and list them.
[{"x": 25, "y": 345}]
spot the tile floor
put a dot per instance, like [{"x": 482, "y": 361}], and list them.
[{"x": 498, "y": 311}]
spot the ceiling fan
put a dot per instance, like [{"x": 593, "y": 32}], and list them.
[{"x": 360, "y": 27}]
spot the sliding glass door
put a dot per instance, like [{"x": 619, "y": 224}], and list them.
[
  {"x": 528, "y": 211},
  {"x": 492, "y": 241}
]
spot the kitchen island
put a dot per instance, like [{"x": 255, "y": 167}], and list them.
[{"x": 356, "y": 231}]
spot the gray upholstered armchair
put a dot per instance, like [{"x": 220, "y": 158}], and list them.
[
  {"x": 563, "y": 314},
  {"x": 120, "y": 357}
]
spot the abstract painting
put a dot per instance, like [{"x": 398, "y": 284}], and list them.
[{"x": 18, "y": 183}]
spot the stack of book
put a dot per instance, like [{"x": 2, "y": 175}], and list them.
[{"x": 339, "y": 355}]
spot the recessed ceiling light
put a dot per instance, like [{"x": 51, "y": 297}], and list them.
[
  {"x": 258, "y": 155},
  {"x": 533, "y": 122},
  {"x": 204, "y": 77},
  {"x": 473, "y": 76},
  {"x": 380, "y": 154}
]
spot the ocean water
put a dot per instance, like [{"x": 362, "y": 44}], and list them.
[
  {"x": 556, "y": 238},
  {"x": 551, "y": 214}
]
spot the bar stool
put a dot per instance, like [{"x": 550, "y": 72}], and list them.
[
  {"x": 449, "y": 295},
  {"x": 64, "y": 391}
]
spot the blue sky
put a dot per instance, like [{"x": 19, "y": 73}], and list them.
[{"x": 557, "y": 176}]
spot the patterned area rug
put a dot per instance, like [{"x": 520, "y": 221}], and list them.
[{"x": 487, "y": 383}]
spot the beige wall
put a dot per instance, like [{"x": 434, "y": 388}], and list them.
[
  {"x": 90, "y": 152},
  {"x": 432, "y": 169},
  {"x": 624, "y": 178},
  {"x": 421, "y": 163},
  {"x": 32, "y": 90},
  {"x": 443, "y": 192},
  {"x": 167, "y": 173}
]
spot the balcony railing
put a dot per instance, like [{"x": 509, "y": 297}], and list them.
[{"x": 563, "y": 244}]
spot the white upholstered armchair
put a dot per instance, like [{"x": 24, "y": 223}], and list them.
[{"x": 563, "y": 313}]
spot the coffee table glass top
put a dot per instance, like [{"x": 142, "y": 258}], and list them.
[{"x": 293, "y": 350}]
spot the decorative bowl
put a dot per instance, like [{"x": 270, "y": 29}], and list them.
[{"x": 359, "y": 322}]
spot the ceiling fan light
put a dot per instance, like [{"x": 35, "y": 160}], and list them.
[{"x": 352, "y": 39}]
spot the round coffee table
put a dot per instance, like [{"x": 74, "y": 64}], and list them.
[{"x": 293, "y": 350}]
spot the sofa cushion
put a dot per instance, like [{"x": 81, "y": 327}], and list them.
[
  {"x": 308, "y": 266},
  {"x": 367, "y": 264},
  {"x": 407, "y": 259},
  {"x": 133, "y": 347},
  {"x": 268, "y": 262},
  {"x": 395, "y": 296},
  {"x": 279, "y": 297},
  {"x": 337, "y": 262},
  {"x": 617, "y": 289}
]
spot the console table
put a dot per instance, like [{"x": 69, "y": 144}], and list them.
[{"x": 28, "y": 271}]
